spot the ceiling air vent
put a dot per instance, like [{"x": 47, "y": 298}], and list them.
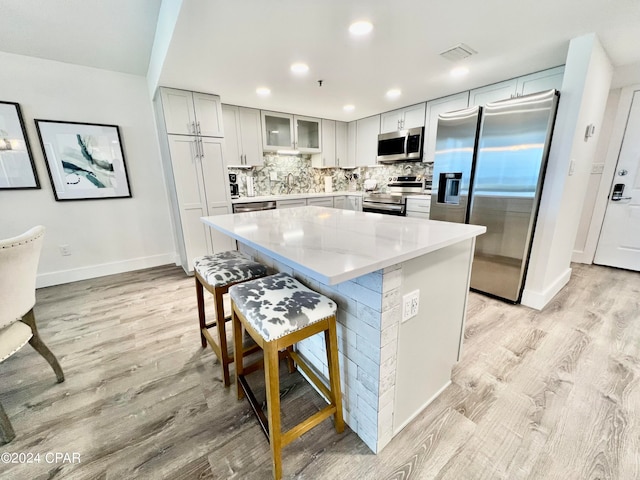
[{"x": 458, "y": 52}]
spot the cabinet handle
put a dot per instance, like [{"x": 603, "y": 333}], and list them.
[
  {"x": 193, "y": 127},
  {"x": 199, "y": 131},
  {"x": 195, "y": 144},
  {"x": 201, "y": 149}
]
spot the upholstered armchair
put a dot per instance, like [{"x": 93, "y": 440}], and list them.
[{"x": 18, "y": 265}]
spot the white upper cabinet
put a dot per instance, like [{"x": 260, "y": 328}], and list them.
[
  {"x": 334, "y": 145},
  {"x": 541, "y": 81},
  {"x": 493, "y": 93},
  {"x": 191, "y": 113},
  {"x": 243, "y": 139},
  {"x": 367, "y": 131},
  {"x": 328, "y": 156},
  {"x": 403, "y": 118},
  {"x": 516, "y": 87},
  {"x": 285, "y": 131},
  {"x": 341, "y": 144},
  {"x": 435, "y": 108},
  {"x": 308, "y": 136},
  {"x": 352, "y": 128},
  {"x": 277, "y": 130}
]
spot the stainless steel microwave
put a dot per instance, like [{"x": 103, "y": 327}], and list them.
[{"x": 401, "y": 146}]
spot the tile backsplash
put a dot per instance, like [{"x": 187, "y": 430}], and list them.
[{"x": 284, "y": 174}]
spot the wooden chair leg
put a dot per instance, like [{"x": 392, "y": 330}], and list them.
[
  {"x": 290, "y": 363},
  {"x": 331, "y": 344},
  {"x": 201, "y": 314},
  {"x": 222, "y": 336},
  {"x": 237, "y": 349},
  {"x": 6, "y": 430},
  {"x": 37, "y": 343},
  {"x": 272, "y": 383}
]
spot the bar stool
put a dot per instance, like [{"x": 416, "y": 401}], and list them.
[
  {"x": 278, "y": 311},
  {"x": 217, "y": 273}
]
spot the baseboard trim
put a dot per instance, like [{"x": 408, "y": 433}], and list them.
[
  {"x": 396, "y": 430},
  {"x": 539, "y": 300},
  {"x": 581, "y": 257},
  {"x": 93, "y": 271}
]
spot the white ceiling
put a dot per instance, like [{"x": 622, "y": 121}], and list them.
[
  {"x": 108, "y": 34},
  {"x": 232, "y": 47}
]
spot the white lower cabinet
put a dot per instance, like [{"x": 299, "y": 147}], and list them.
[
  {"x": 320, "y": 201},
  {"x": 297, "y": 202},
  {"x": 339, "y": 201},
  {"x": 353, "y": 202},
  {"x": 200, "y": 189},
  {"x": 419, "y": 207}
]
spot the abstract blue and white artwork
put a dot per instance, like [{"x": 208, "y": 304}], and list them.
[{"x": 84, "y": 160}]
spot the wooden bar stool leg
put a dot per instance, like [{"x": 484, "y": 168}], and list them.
[
  {"x": 272, "y": 383},
  {"x": 331, "y": 344},
  {"x": 201, "y": 317},
  {"x": 290, "y": 363},
  {"x": 222, "y": 336},
  {"x": 237, "y": 349}
]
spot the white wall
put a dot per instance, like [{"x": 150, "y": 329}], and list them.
[
  {"x": 584, "y": 248},
  {"x": 585, "y": 88},
  {"x": 104, "y": 236}
]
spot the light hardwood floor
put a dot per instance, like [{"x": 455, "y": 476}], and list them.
[{"x": 538, "y": 395}]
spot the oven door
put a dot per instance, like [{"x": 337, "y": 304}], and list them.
[{"x": 385, "y": 208}]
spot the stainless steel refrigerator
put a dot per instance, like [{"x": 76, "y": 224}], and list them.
[{"x": 488, "y": 170}]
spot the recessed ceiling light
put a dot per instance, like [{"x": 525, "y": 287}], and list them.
[
  {"x": 459, "y": 71},
  {"x": 361, "y": 27},
  {"x": 299, "y": 68},
  {"x": 394, "y": 93},
  {"x": 349, "y": 108},
  {"x": 263, "y": 91}
]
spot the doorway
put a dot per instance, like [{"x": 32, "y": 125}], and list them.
[{"x": 619, "y": 241}]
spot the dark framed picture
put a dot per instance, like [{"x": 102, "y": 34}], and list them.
[
  {"x": 85, "y": 160},
  {"x": 17, "y": 170}
]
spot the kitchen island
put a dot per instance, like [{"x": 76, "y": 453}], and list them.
[{"x": 370, "y": 265}]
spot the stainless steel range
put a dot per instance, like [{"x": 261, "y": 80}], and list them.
[{"x": 394, "y": 201}]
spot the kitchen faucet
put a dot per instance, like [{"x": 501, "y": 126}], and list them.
[{"x": 289, "y": 182}]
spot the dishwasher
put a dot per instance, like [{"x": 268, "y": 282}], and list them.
[{"x": 253, "y": 206}]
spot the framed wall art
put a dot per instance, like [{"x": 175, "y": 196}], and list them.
[
  {"x": 17, "y": 170},
  {"x": 85, "y": 160}
]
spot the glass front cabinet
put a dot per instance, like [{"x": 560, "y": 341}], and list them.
[{"x": 282, "y": 131}]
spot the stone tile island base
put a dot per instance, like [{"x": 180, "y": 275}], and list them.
[{"x": 391, "y": 370}]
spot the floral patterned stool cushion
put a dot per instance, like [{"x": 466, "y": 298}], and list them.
[
  {"x": 224, "y": 268},
  {"x": 279, "y": 304}
]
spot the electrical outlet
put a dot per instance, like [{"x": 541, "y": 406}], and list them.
[
  {"x": 410, "y": 305},
  {"x": 273, "y": 176},
  {"x": 597, "y": 168},
  {"x": 65, "y": 250},
  {"x": 572, "y": 167}
]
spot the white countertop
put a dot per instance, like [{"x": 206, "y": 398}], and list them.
[
  {"x": 333, "y": 245},
  {"x": 293, "y": 196}
]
